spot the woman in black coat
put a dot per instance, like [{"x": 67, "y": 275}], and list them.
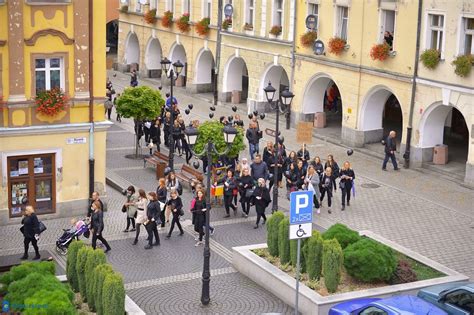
[
  {"x": 334, "y": 169},
  {"x": 97, "y": 226},
  {"x": 245, "y": 188},
  {"x": 291, "y": 179},
  {"x": 199, "y": 214},
  {"x": 176, "y": 207},
  {"x": 30, "y": 231},
  {"x": 327, "y": 187},
  {"x": 347, "y": 176},
  {"x": 303, "y": 154},
  {"x": 230, "y": 185},
  {"x": 261, "y": 200},
  {"x": 161, "y": 193},
  {"x": 153, "y": 212}
]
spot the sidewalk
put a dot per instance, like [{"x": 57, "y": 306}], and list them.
[{"x": 421, "y": 211}]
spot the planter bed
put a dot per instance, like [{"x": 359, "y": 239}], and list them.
[{"x": 282, "y": 284}]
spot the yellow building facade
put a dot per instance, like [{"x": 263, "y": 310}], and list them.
[{"x": 45, "y": 159}]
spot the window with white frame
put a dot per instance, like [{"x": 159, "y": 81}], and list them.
[
  {"x": 249, "y": 12},
  {"x": 387, "y": 27},
  {"x": 313, "y": 8},
  {"x": 467, "y": 36},
  {"x": 435, "y": 32},
  {"x": 278, "y": 12},
  {"x": 207, "y": 9},
  {"x": 154, "y": 4},
  {"x": 170, "y": 5},
  {"x": 186, "y": 6},
  {"x": 342, "y": 19},
  {"x": 49, "y": 74}
]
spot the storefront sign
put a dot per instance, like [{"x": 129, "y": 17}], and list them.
[{"x": 81, "y": 140}]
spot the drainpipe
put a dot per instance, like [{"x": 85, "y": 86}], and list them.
[
  {"x": 406, "y": 155},
  {"x": 218, "y": 49},
  {"x": 91, "y": 100},
  {"x": 293, "y": 62}
]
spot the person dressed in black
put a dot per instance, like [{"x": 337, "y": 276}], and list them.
[
  {"x": 291, "y": 177},
  {"x": 161, "y": 193},
  {"x": 95, "y": 197},
  {"x": 134, "y": 79},
  {"x": 166, "y": 128},
  {"x": 245, "y": 189},
  {"x": 199, "y": 214},
  {"x": 303, "y": 154},
  {"x": 268, "y": 152},
  {"x": 301, "y": 171},
  {"x": 281, "y": 153},
  {"x": 334, "y": 169},
  {"x": 230, "y": 185},
  {"x": 261, "y": 200},
  {"x": 155, "y": 134},
  {"x": 347, "y": 180},
  {"x": 97, "y": 226},
  {"x": 390, "y": 149},
  {"x": 318, "y": 166},
  {"x": 177, "y": 136},
  {"x": 30, "y": 231},
  {"x": 117, "y": 118},
  {"x": 153, "y": 219},
  {"x": 176, "y": 208},
  {"x": 326, "y": 187},
  {"x": 388, "y": 39}
]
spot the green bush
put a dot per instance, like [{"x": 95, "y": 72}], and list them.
[
  {"x": 332, "y": 264},
  {"x": 463, "y": 65},
  {"x": 272, "y": 232},
  {"x": 81, "y": 270},
  {"x": 342, "y": 234},
  {"x": 71, "y": 264},
  {"x": 98, "y": 283},
  {"x": 50, "y": 303},
  {"x": 430, "y": 58},
  {"x": 26, "y": 268},
  {"x": 113, "y": 295},
  {"x": 294, "y": 252},
  {"x": 370, "y": 261},
  {"x": 283, "y": 240},
  {"x": 313, "y": 255},
  {"x": 20, "y": 290},
  {"x": 94, "y": 259}
]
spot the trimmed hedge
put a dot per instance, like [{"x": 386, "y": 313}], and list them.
[
  {"x": 54, "y": 302},
  {"x": 332, "y": 264},
  {"x": 342, "y": 234},
  {"x": 272, "y": 232},
  {"x": 313, "y": 252},
  {"x": 283, "y": 240},
  {"x": 94, "y": 258},
  {"x": 113, "y": 295},
  {"x": 81, "y": 270},
  {"x": 370, "y": 261},
  {"x": 71, "y": 264},
  {"x": 294, "y": 252},
  {"x": 26, "y": 268},
  {"x": 100, "y": 273}
]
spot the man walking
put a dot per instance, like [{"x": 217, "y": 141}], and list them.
[
  {"x": 259, "y": 169},
  {"x": 390, "y": 148},
  {"x": 253, "y": 138}
]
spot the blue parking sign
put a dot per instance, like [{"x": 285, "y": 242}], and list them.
[{"x": 301, "y": 207}]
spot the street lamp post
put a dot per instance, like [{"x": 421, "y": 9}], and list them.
[
  {"x": 170, "y": 73},
  {"x": 192, "y": 134},
  {"x": 282, "y": 104}
]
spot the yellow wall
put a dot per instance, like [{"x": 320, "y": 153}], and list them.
[{"x": 4, "y": 50}]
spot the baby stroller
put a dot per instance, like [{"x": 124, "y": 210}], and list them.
[{"x": 69, "y": 235}]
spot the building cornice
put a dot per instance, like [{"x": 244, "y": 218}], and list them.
[
  {"x": 445, "y": 85},
  {"x": 53, "y": 129},
  {"x": 32, "y": 40},
  {"x": 257, "y": 38}
]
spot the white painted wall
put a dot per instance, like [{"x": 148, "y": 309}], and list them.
[
  {"x": 132, "y": 49},
  {"x": 236, "y": 68},
  {"x": 153, "y": 55},
  {"x": 313, "y": 100},
  {"x": 204, "y": 65}
]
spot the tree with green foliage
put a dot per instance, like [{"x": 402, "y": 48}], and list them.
[
  {"x": 214, "y": 131},
  {"x": 140, "y": 103},
  {"x": 81, "y": 270},
  {"x": 272, "y": 232},
  {"x": 113, "y": 295},
  {"x": 94, "y": 258},
  {"x": 344, "y": 235},
  {"x": 313, "y": 255},
  {"x": 71, "y": 264},
  {"x": 49, "y": 303},
  {"x": 332, "y": 264},
  {"x": 26, "y": 268},
  {"x": 101, "y": 271},
  {"x": 370, "y": 261},
  {"x": 284, "y": 241}
]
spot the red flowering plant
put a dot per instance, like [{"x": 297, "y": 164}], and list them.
[
  {"x": 183, "y": 23},
  {"x": 276, "y": 30},
  {"x": 336, "y": 45},
  {"x": 308, "y": 38},
  {"x": 380, "y": 52},
  {"x": 51, "y": 102},
  {"x": 202, "y": 27},
  {"x": 150, "y": 16},
  {"x": 167, "y": 19}
]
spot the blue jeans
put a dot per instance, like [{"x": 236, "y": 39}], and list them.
[
  {"x": 387, "y": 157},
  {"x": 253, "y": 148}
]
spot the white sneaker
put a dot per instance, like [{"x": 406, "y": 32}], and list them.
[
  {"x": 318, "y": 211},
  {"x": 198, "y": 243}
]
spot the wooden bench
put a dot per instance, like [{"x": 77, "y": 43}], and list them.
[
  {"x": 188, "y": 175},
  {"x": 156, "y": 159}
]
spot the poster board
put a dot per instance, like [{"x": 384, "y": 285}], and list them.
[{"x": 304, "y": 132}]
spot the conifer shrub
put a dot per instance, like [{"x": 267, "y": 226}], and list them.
[{"x": 332, "y": 263}]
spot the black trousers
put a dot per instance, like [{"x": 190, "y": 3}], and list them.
[
  {"x": 130, "y": 221},
  {"x": 323, "y": 193},
  {"x": 34, "y": 242},
  {"x": 346, "y": 195},
  {"x": 315, "y": 202},
  {"x": 109, "y": 112},
  {"x": 245, "y": 206},
  {"x": 152, "y": 229},
  {"x": 173, "y": 222},
  {"x": 137, "y": 232},
  {"x": 96, "y": 237},
  {"x": 260, "y": 214},
  {"x": 162, "y": 218},
  {"x": 228, "y": 203}
]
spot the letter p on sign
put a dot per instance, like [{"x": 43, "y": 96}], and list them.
[{"x": 302, "y": 201}]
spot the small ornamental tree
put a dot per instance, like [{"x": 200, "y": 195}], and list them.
[
  {"x": 308, "y": 38},
  {"x": 336, "y": 45},
  {"x": 214, "y": 131},
  {"x": 140, "y": 103},
  {"x": 71, "y": 264},
  {"x": 94, "y": 258},
  {"x": 463, "y": 65},
  {"x": 183, "y": 23},
  {"x": 332, "y": 264},
  {"x": 313, "y": 252},
  {"x": 380, "y": 52},
  {"x": 101, "y": 271},
  {"x": 81, "y": 270},
  {"x": 430, "y": 58},
  {"x": 202, "y": 27},
  {"x": 272, "y": 232},
  {"x": 113, "y": 295},
  {"x": 283, "y": 240},
  {"x": 150, "y": 16},
  {"x": 51, "y": 102},
  {"x": 167, "y": 19}
]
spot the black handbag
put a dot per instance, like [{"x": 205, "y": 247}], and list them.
[
  {"x": 249, "y": 193},
  {"x": 42, "y": 227},
  {"x": 342, "y": 185},
  {"x": 124, "y": 208}
]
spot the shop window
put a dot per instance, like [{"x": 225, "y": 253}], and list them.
[
  {"x": 435, "y": 35},
  {"x": 278, "y": 12},
  {"x": 387, "y": 27},
  {"x": 342, "y": 19},
  {"x": 467, "y": 42},
  {"x": 31, "y": 181},
  {"x": 313, "y": 8},
  {"x": 49, "y": 74}
]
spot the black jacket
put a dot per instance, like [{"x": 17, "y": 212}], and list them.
[
  {"x": 175, "y": 204},
  {"x": 232, "y": 184},
  {"x": 252, "y": 135},
  {"x": 97, "y": 222},
  {"x": 292, "y": 176},
  {"x": 334, "y": 168},
  {"x": 161, "y": 192},
  {"x": 90, "y": 211},
  {"x": 390, "y": 145},
  {"x": 318, "y": 168},
  {"x": 153, "y": 211},
  {"x": 304, "y": 156},
  {"x": 264, "y": 201},
  {"x": 267, "y": 155},
  {"x": 326, "y": 183},
  {"x": 30, "y": 226},
  {"x": 350, "y": 173},
  {"x": 259, "y": 170}
]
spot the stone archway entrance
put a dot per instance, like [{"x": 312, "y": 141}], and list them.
[
  {"x": 132, "y": 52},
  {"x": 236, "y": 81},
  {"x": 179, "y": 53},
  {"x": 153, "y": 56},
  {"x": 204, "y": 72}
]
